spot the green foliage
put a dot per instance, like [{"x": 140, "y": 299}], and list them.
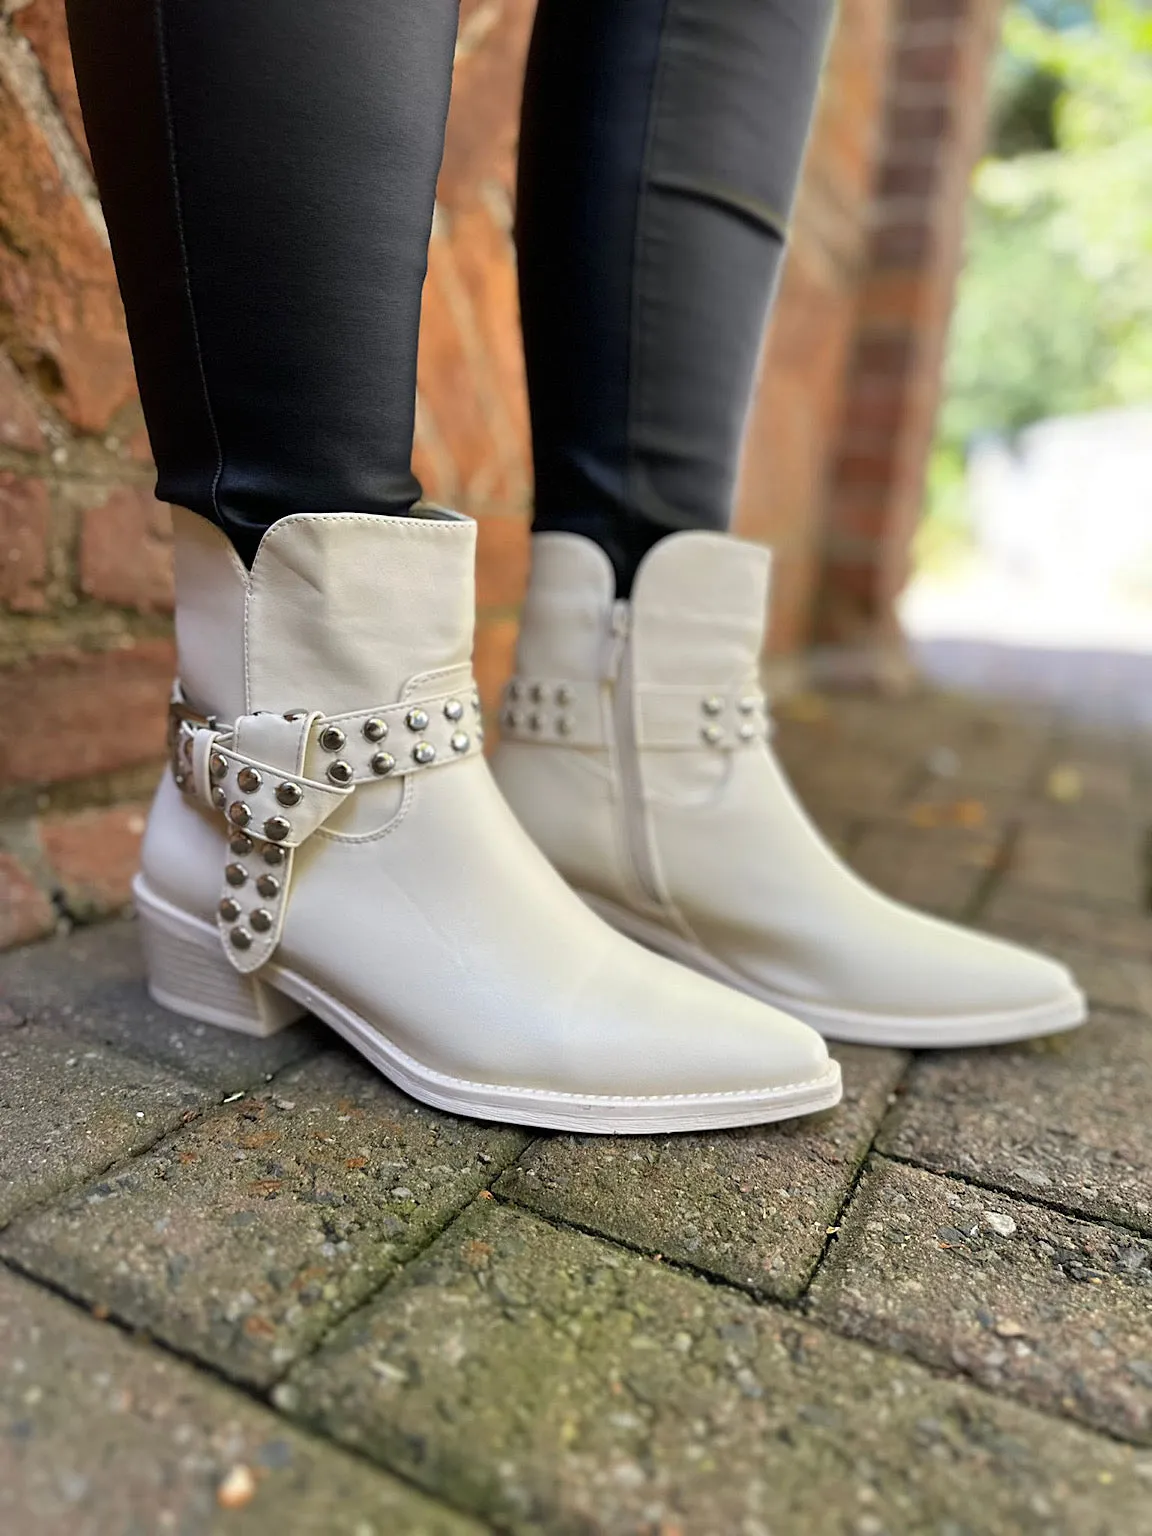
[{"x": 1054, "y": 311}]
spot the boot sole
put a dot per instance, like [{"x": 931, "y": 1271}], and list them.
[
  {"x": 188, "y": 974},
  {"x": 913, "y": 1032}
]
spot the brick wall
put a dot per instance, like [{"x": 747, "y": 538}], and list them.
[
  {"x": 85, "y": 634},
  {"x": 933, "y": 130}
]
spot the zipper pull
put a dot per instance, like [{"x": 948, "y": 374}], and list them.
[{"x": 619, "y": 628}]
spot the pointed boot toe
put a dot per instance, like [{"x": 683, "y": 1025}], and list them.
[{"x": 635, "y": 748}]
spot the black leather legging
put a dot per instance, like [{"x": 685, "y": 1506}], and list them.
[{"x": 268, "y": 169}]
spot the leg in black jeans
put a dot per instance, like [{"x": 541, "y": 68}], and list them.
[
  {"x": 661, "y": 147},
  {"x": 268, "y": 172}
]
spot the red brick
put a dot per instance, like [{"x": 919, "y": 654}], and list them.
[
  {"x": 480, "y": 141},
  {"x": 25, "y": 518},
  {"x": 43, "y": 24},
  {"x": 93, "y": 855},
  {"x": 927, "y": 61},
  {"x": 70, "y": 714},
  {"x": 494, "y": 657},
  {"x": 25, "y": 911},
  {"x": 917, "y": 125},
  {"x": 126, "y": 551},
  {"x": 19, "y": 425},
  {"x": 64, "y": 326},
  {"x": 502, "y": 555}
]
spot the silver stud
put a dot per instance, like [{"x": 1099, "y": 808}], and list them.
[
  {"x": 273, "y": 855},
  {"x": 219, "y": 798},
  {"x": 261, "y": 919},
  {"x": 712, "y": 705},
  {"x": 513, "y": 690},
  {"x": 277, "y": 828},
  {"x": 241, "y": 938},
  {"x": 712, "y": 734},
  {"x": 563, "y": 725},
  {"x": 511, "y": 719},
  {"x": 332, "y": 738},
  {"x": 229, "y": 909},
  {"x": 289, "y": 793},
  {"x": 453, "y": 710},
  {"x": 460, "y": 741},
  {"x": 249, "y": 780},
  {"x": 536, "y": 693},
  {"x": 340, "y": 772},
  {"x": 296, "y": 714},
  {"x": 416, "y": 719},
  {"x": 536, "y": 720},
  {"x": 235, "y": 874},
  {"x": 241, "y": 844},
  {"x": 423, "y": 753},
  {"x": 268, "y": 886},
  {"x": 217, "y": 765},
  {"x": 476, "y": 703},
  {"x": 181, "y": 781},
  {"x": 383, "y": 763},
  {"x": 375, "y": 729},
  {"x": 747, "y": 731},
  {"x": 239, "y": 814},
  {"x": 747, "y": 705},
  {"x": 564, "y": 695}
]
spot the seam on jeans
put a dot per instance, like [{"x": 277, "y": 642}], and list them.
[
  {"x": 638, "y": 243},
  {"x": 178, "y": 205},
  {"x": 752, "y": 210}
]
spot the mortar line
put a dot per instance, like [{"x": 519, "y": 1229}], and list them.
[
  {"x": 975, "y": 1182},
  {"x": 854, "y": 1183}
]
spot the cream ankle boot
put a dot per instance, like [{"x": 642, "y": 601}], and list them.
[
  {"x": 634, "y": 751},
  {"x": 330, "y": 839}
]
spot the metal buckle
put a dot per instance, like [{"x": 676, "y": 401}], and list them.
[{"x": 180, "y": 715}]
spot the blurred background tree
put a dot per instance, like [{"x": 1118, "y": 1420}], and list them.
[{"x": 1054, "y": 312}]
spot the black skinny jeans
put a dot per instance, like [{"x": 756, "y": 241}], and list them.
[{"x": 268, "y": 170}]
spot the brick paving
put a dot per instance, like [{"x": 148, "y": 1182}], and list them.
[{"x": 247, "y": 1286}]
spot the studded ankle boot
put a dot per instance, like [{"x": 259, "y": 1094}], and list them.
[
  {"x": 330, "y": 839},
  {"x": 635, "y": 752}
]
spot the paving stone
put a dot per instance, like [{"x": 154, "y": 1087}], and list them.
[
  {"x": 1084, "y": 868},
  {"x": 100, "y": 1434},
  {"x": 1045, "y": 919},
  {"x": 1063, "y": 1119},
  {"x": 93, "y": 982},
  {"x": 69, "y": 1108},
  {"x": 1025, "y": 1300},
  {"x": 551, "y": 1382},
  {"x": 939, "y": 870},
  {"x": 242, "y": 1238},
  {"x": 752, "y": 1206}
]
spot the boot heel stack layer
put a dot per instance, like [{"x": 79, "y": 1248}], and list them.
[{"x": 188, "y": 973}]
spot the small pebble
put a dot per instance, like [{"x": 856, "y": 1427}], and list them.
[
  {"x": 1002, "y": 1225},
  {"x": 1007, "y": 1328},
  {"x": 237, "y": 1489}
]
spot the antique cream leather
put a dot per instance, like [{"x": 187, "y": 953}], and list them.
[
  {"x": 634, "y": 749},
  {"x": 288, "y": 865}
]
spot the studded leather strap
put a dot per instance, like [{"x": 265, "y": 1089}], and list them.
[
  {"x": 667, "y": 717},
  {"x": 253, "y": 773}
]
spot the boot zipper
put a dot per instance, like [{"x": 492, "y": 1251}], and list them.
[{"x": 620, "y": 675}]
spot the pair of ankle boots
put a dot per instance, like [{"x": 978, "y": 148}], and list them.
[{"x": 332, "y": 840}]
